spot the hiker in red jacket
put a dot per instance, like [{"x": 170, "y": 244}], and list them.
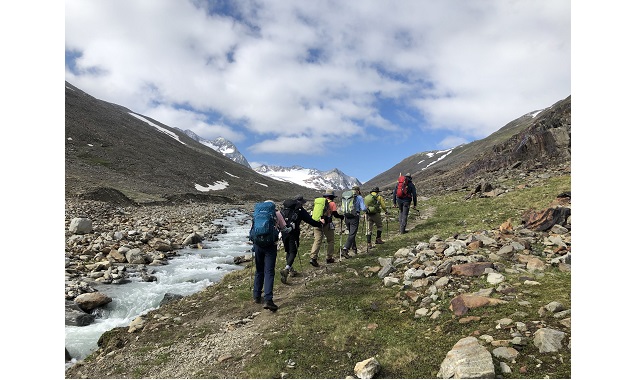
[{"x": 404, "y": 195}]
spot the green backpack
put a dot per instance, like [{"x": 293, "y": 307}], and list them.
[
  {"x": 319, "y": 208},
  {"x": 372, "y": 203},
  {"x": 347, "y": 203}
]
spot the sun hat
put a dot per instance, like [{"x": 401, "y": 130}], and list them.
[
  {"x": 375, "y": 189},
  {"x": 355, "y": 187},
  {"x": 330, "y": 193},
  {"x": 300, "y": 199}
]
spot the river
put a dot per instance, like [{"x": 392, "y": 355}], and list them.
[{"x": 190, "y": 272}]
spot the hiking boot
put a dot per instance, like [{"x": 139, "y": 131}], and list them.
[
  {"x": 314, "y": 263},
  {"x": 284, "y": 276},
  {"x": 330, "y": 260},
  {"x": 270, "y": 305},
  {"x": 379, "y": 241},
  {"x": 344, "y": 253},
  {"x": 257, "y": 300}
]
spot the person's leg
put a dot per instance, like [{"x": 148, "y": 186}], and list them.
[
  {"x": 379, "y": 228},
  {"x": 258, "y": 278},
  {"x": 400, "y": 215},
  {"x": 269, "y": 272},
  {"x": 346, "y": 245},
  {"x": 319, "y": 235},
  {"x": 405, "y": 214},
  {"x": 293, "y": 242},
  {"x": 353, "y": 225},
  {"x": 330, "y": 240},
  {"x": 370, "y": 225}
]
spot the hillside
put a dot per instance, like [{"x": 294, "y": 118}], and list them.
[
  {"x": 534, "y": 141},
  {"x": 115, "y": 155}
]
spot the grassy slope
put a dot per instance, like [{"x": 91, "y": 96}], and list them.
[
  {"x": 330, "y": 333},
  {"x": 336, "y": 316}
]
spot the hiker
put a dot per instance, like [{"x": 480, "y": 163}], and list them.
[
  {"x": 352, "y": 214},
  {"x": 294, "y": 213},
  {"x": 404, "y": 195},
  {"x": 265, "y": 217},
  {"x": 325, "y": 208},
  {"x": 375, "y": 202}
]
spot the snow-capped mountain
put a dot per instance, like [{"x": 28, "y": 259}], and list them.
[
  {"x": 312, "y": 178},
  {"x": 222, "y": 146}
]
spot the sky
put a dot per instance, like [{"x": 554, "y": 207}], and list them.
[{"x": 353, "y": 85}]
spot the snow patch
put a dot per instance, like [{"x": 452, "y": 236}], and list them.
[
  {"x": 218, "y": 185},
  {"x": 161, "y": 129}
]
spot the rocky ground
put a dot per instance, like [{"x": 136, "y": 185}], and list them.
[{"x": 222, "y": 339}]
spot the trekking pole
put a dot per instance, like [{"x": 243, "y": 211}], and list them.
[
  {"x": 367, "y": 246},
  {"x": 252, "y": 264},
  {"x": 298, "y": 255},
  {"x": 387, "y": 226},
  {"x": 340, "y": 237}
]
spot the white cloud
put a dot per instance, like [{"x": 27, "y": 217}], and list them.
[{"x": 303, "y": 71}]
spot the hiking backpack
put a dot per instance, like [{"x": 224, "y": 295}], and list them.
[
  {"x": 402, "y": 190},
  {"x": 372, "y": 203},
  {"x": 263, "y": 232},
  {"x": 347, "y": 203},
  {"x": 319, "y": 208},
  {"x": 290, "y": 212}
]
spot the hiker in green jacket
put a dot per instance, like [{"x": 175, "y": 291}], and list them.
[{"x": 375, "y": 203}]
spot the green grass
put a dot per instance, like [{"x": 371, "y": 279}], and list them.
[{"x": 344, "y": 314}]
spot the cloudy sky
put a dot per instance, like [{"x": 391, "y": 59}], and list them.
[{"x": 354, "y": 85}]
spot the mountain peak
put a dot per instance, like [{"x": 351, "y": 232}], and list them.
[{"x": 312, "y": 178}]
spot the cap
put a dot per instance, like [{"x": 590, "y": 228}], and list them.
[
  {"x": 407, "y": 175},
  {"x": 300, "y": 199},
  {"x": 330, "y": 193}
]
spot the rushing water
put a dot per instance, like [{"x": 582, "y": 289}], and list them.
[{"x": 189, "y": 273}]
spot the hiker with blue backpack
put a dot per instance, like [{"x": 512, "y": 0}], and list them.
[
  {"x": 267, "y": 223},
  {"x": 294, "y": 213},
  {"x": 352, "y": 205},
  {"x": 324, "y": 209},
  {"x": 404, "y": 195}
]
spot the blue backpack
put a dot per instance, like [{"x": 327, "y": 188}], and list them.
[{"x": 263, "y": 232}]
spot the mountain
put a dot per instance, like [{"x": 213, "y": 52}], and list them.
[
  {"x": 114, "y": 154},
  {"x": 538, "y": 140},
  {"x": 117, "y": 155},
  {"x": 222, "y": 146},
  {"x": 313, "y": 178}
]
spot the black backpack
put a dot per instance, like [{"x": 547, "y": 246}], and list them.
[{"x": 290, "y": 212}]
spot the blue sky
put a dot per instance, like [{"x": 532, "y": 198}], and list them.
[{"x": 356, "y": 85}]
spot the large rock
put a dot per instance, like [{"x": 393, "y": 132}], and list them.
[
  {"x": 367, "y": 369},
  {"x": 80, "y": 226},
  {"x": 467, "y": 360},
  {"x": 91, "y": 301},
  {"x": 75, "y": 316},
  {"x": 548, "y": 340}
]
